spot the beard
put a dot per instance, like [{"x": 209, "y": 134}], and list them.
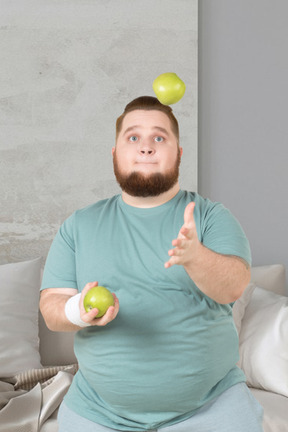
[{"x": 140, "y": 185}]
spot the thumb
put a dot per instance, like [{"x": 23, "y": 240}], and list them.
[
  {"x": 88, "y": 286},
  {"x": 189, "y": 215}
]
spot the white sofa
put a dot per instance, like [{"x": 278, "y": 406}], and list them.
[{"x": 39, "y": 376}]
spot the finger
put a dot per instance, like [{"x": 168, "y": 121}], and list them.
[
  {"x": 116, "y": 301},
  {"x": 180, "y": 243},
  {"x": 168, "y": 264},
  {"x": 189, "y": 215},
  {"x": 176, "y": 252},
  {"x": 90, "y": 316},
  {"x": 187, "y": 233},
  {"x": 88, "y": 286},
  {"x": 109, "y": 315},
  {"x": 172, "y": 261}
]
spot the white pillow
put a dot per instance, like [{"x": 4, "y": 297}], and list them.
[
  {"x": 263, "y": 342},
  {"x": 240, "y": 305},
  {"x": 19, "y": 305},
  {"x": 270, "y": 277}
]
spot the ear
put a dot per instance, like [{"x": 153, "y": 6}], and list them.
[
  {"x": 113, "y": 150},
  {"x": 181, "y": 151}
]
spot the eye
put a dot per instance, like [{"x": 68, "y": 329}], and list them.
[
  {"x": 133, "y": 138},
  {"x": 159, "y": 139}
]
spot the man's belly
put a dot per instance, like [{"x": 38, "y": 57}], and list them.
[{"x": 156, "y": 358}]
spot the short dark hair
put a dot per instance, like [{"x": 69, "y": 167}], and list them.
[{"x": 148, "y": 103}]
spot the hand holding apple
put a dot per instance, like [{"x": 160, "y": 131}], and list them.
[
  {"x": 99, "y": 298},
  {"x": 168, "y": 88},
  {"x": 98, "y": 302}
]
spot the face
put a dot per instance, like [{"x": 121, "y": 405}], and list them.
[{"x": 147, "y": 155}]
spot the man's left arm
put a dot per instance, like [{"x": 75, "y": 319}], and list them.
[{"x": 221, "y": 277}]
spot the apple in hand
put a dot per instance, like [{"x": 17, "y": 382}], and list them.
[
  {"x": 100, "y": 298},
  {"x": 168, "y": 88}
]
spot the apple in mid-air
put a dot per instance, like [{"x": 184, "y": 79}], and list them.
[
  {"x": 100, "y": 298},
  {"x": 168, "y": 88}
]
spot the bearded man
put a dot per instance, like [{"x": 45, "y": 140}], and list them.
[{"x": 164, "y": 357}]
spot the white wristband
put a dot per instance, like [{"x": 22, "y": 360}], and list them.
[{"x": 72, "y": 311}]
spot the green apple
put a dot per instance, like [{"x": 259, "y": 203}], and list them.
[
  {"x": 100, "y": 298},
  {"x": 168, "y": 88}
]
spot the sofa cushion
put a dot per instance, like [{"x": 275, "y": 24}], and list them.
[
  {"x": 263, "y": 342},
  {"x": 270, "y": 277},
  {"x": 19, "y": 341},
  {"x": 275, "y": 410},
  {"x": 241, "y": 304}
]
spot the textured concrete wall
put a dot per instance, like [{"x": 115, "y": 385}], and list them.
[{"x": 68, "y": 68}]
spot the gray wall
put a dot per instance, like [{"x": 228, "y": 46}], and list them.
[
  {"x": 67, "y": 71},
  {"x": 243, "y": 117}
]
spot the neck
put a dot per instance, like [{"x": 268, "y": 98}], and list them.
[{"x": 152, "y": 201}]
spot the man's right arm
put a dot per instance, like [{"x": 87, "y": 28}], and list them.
[{"x": 52, "y": 306}]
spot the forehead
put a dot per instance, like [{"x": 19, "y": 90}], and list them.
[{"x": 146, "y": 119}]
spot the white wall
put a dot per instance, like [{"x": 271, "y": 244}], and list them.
[{"x": 243, "y": 117}]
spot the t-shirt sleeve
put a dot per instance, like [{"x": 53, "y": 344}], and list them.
[
  {"x": 60, "y": 268},
  {"x": 222, "y": 233}
]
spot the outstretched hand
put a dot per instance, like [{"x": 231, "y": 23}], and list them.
[{"x": 187, "y": 243}]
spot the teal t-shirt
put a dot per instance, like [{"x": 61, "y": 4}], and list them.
[{"x": 171, "y": 349}]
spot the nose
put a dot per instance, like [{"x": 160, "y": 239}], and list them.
[
  {"x": 146, "y": 148},
  {"x": 147, "y": 151}
]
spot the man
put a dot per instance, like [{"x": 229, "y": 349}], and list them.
[{"x": 164, "y": 357}]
